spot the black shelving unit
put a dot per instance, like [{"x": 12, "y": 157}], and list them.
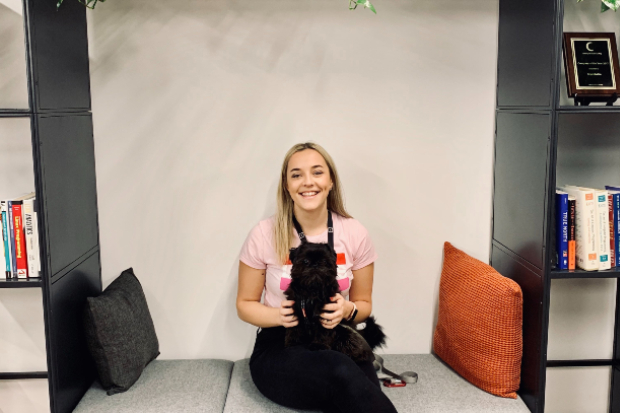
[
  {"x": 64, "y": 169},
  {"x": 533, "y": 134}
]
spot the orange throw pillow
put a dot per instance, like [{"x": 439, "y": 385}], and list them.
[{"x": 479, "y": 328}]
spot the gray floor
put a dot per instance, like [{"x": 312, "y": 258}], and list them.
[{"x": 21, "y": 396}]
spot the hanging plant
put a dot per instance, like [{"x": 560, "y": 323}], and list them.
[
  {"x": 367, "y": 5},
  {"x": 607, "y": 4},
  {"x": 88, "y": 3}
]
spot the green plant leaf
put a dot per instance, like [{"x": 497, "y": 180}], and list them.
[
  {"x": 367, "y": 5},
  {"x": 58, "y": 4},
  {"x": 610, "y": 4}
]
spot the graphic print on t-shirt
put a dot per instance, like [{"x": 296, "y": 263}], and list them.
[{"x": 342, "y": 277}]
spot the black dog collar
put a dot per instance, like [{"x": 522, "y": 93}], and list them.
[{"x": 302, "y": 236}]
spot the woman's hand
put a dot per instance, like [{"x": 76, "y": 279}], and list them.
[
  {"x": 287, "y": 314},
  {"x": 331, "y": 319}
]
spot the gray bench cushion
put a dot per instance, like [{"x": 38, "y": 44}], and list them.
[
  {"x": 438, "y": 390},
  {"x": 167, "y": 386}
]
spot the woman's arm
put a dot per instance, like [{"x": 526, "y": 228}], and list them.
[
  {"x": 360, "y": 294},
  {"x": 249, "y": 307}
]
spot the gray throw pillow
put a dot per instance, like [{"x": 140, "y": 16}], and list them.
[{"x": 120, "y": 333}]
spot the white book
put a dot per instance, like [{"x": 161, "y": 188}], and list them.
[
  {"x": 586, "y": 254},
  {"x": 31, "y": 255},
  {"x": 37, "y": 250},
  {"x": 602, "y": 229}
]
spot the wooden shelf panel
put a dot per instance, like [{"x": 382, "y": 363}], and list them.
[
  {"x": 35, "y": 282},
  {"x": 563, "y": 274}
]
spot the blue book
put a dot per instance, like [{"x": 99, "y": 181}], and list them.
[
  {"x": 11, "y": 226},
  {"x": 616, "y": 201},
  {"x": 5, "y": 240},
  {"x": 561, "y": 207},
  {"x": 616, "y": 222}
]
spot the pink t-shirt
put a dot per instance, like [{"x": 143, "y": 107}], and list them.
[{"x": 351, "y": 242}]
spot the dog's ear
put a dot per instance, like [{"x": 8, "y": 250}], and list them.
[{"x": 292, "y": 254}]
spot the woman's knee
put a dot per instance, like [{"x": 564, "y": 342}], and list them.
[{"x": 343, "y": 371}]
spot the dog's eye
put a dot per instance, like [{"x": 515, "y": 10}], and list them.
[{"x": 306, "y": 262}]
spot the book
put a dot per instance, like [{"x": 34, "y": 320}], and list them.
[
  {"x": 615, "y": 193},
  {"x": 561, "y": 239},
  {"x": 17, "y": 220},
  {"x": 33, "y": 258},
  {"x": 21, "y": 262},
  {"x": 11, "y": 225},
  {"x": 586, "y": 254},
  {"x": 6, "y": 239},
  {"x": 2, "y": 256},
  {"x": 571, "y": 232},
  {"x": 612, "y": 234},
  {"x": 602, "y": 228},
  {"x": 37, "y": 247}
]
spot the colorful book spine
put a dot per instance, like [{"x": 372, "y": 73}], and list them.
[
  {"x": 602, "y": 229},
  {"x": 2, "y": 253},
  {"x": 9, "y": 207},
  {"x": 612, "y": 233},
  {"x": 571, "y": 232},
  {"x": 586, "y": 254},
  {"x": 20, "y": 241},
  {"x": 616, "y": 224},
  {"x": 6, "y": 239},
  {"x": 561, "y": 204},
  {"x": 31, "y": 238}
]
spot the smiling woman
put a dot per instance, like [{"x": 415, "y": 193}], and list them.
[{"x": 310, "y": 192}]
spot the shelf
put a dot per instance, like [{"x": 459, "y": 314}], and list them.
[
  {"x": 589, "y": 109},
  {"x": 24, "y": 375},
  {"x": 15, "y": 113},
  {"x": 580, "y": 363},
  {"x": 34, "y": 282},
  {"x": 564, "y": 274}
]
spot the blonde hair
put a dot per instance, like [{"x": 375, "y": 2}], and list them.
[{"x": 283, "y": 234}]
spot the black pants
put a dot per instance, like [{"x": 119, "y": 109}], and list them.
[{"x": 324, "y": 380}]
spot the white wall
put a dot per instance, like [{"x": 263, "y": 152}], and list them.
[{"x": 196, "y": 104}]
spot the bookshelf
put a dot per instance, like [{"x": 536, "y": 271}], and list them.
[
  {"x": 45, "y": 96},
  {"x": 543, "y": 141}
]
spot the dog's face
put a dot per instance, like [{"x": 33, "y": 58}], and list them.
[{"x": 313, "y": 278}]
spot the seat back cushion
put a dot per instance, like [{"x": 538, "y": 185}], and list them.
[
  {"x": 479, "y": 327},
  {"x": 120, "y": 333}
]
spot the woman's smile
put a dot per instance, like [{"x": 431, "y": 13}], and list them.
[{"x": 309, "y": 195}]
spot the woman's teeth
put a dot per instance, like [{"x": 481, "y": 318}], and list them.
[{"x": 308, "y": 194}]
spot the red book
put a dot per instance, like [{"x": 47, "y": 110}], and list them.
[
  {"x": 20, "y": 241},
  {"x": 612, "y": 235},
  {"x": 572, "y": 246}
]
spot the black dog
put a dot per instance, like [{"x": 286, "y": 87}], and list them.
[{"x": 313, "y": 283}]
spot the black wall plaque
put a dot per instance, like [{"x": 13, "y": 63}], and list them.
[{"x": 591, "y": 63}]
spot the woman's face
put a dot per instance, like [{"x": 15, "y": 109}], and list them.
[{"x": 308, "y": 180}]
